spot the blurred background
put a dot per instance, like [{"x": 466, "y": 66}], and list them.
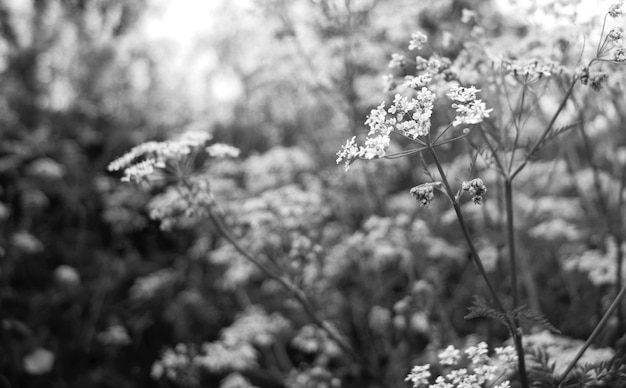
[{"x": 95, "y": 293}]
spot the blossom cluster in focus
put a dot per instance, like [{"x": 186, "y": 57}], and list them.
[{"x": 481, "y": 369}]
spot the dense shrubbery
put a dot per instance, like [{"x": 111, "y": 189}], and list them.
[{"x": 267, "y": 265}]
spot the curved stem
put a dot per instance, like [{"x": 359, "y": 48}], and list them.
[
  {"x": 466, "y": 233},
  {"x": 605, "y": 318},
  {"x": 297, "y": 293}
]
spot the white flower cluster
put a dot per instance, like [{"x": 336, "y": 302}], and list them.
[
  {"x": 600, "y": 266},
  {"x": 397, "y": 61},
  {"x": 531, "y": 71},
  {"x": 409, "y": 117},
  {"x": 481, "y": 369},
  {"x": 220, "y": 151},
  {"x": 615, "y": 10},
  {"x": 156, "y": 154},
  {"x": 236, "y": 380},
  {"x": 469, "y": 109},
  {"x": 255, "y": 326},
  {"x": 311, "y": 339},
  {"x": 417, "y": 41}
]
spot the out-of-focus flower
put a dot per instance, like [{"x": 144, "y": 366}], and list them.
[
  {"x": 45, "y": 168},
  {"x": 26, "y": 242},
  {"x": 397, "y": 61},
  {"x": 156, "y": 155},
  {"x": 4, "y": 212},
  {"x": 419, "y": 375},
  {"x": 221, "y": 356},
  {"x": 467, "y": 15},
  {"x": 418, "y": 39},
  {"x": 147, "y": 286},
  {"x": 379, "y": 319},
  {"x": 615, "y": 10},
  {"x": 616, "y": 35},
  {"x": 39, "y": 361},
  {"x": 115, "y": 335},
  {"x": 220, "y": 150},
  {"x": 255, "y": 326},
  {"x": 449, "y": 356},
  {"x": 236, "y": 380},
  {"x": 66, "y": 275}
]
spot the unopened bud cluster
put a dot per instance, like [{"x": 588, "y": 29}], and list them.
[
  {"x": 476, "y": 188},
  {"x": 425, "y": 193}
]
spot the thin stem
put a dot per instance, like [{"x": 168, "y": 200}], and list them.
[
  {"x": 297, "y": 293},
  {"x": 519, "y": 124},
  {"x": 466, "y": 233},
  {"x": 517, "y": 337},
  {"x": 545, "y": 133},
  {"x": 442, "y": 133},
  {"x": 510, "y": 232},
  {"x": 513, "y": 326},
  {"x": 404, "y": 153},
  {"x": 605, "y": 318}
]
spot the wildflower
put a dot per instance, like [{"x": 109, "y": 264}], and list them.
[
  {"x": 66, "y": 275},
  {"x": 219, "y": 150},
  {"x": 506, "y": 354},
  {"x": 39, "y": 361},
  {"x": 236, "y": 380},
  {"x": 596, "y": 80},
  {"x": 424, "y": 193},
  {"x": 615, "y": 10},
  {"x": 619, "y": 55},
  {"x": 463, "y": 95},
  {"x": 476, "y": 188},
  {"x": 473, "y": 113},
  {"x": 379, "y": 319},
  {"x": 376, "y": 147},
  {"x": 221, "y": 356},
  {"x": 417, "y": 41},
  {"x": 616, "y": 35},
  {"x": 437, "y": 64},
  {"x": 421, "y": 63},
  {"x": 450, "y": 356},
  {"x": 418, "y": 82},
  {"x": 419, "y": 375},
  {"x": 348, "y": 152},
  {"x": 469, "y": 109},
  {"x": 156, "y": 155},
  {"x": 141, "y": 170},
  {"x": 478, "y": 353},
  {"x": 397, "y": 61},
  {"x": 467, "y": 15},
  {"x": 377, "y": 121},
  {"x": 115, "y": 335}
]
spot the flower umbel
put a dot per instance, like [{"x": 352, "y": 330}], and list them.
[
  {"x": 615, "y": 10},
  {"x": 469, "y": 109},
  {"x": 419, "y": 375},
  {"x": 417, "y": 41}
]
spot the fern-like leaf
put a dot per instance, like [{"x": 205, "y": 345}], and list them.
[
  {"x": 481, "y": 309},
  {"x": 528, "y": 316}
]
